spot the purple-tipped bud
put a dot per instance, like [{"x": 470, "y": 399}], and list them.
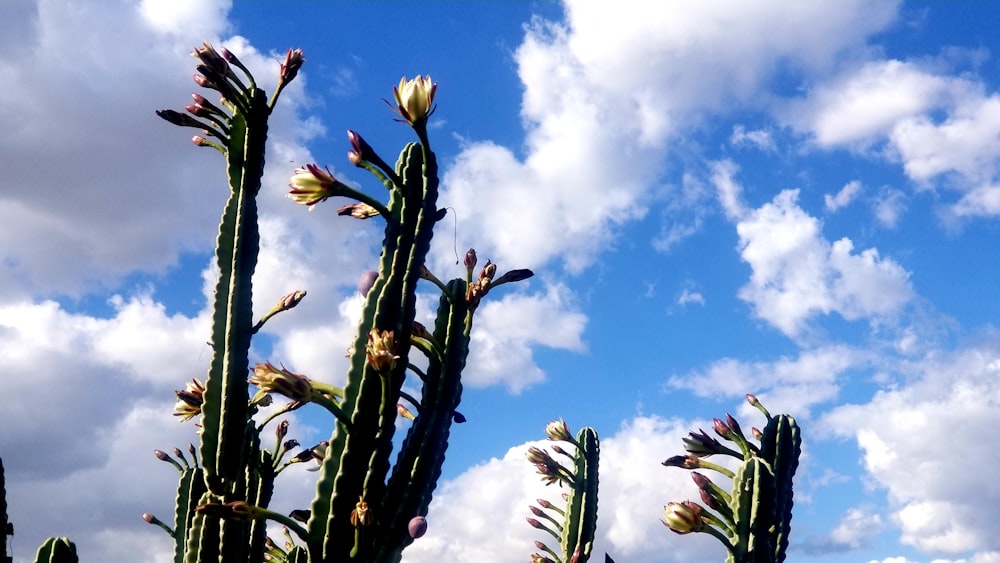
[
  {"x": 535, "y": 523},
  {"x": 161, "y": 455},
  {"x": 417, "y": 527},
  {"x": 756, "y": 433},
  {"x": 290, "y": 67},
  {"x": 149, "y": 518},
  {"x": 300, "y": 515},
  {"x": 544, "y": 503},
  {"x": 721, "y": 429},
  {"x": 513, "y": 276},
  {"x": 700, "y": 480},
  {"x": 200, "y": 141},
  {"x": 358, "y": 210},
  {"x": 733, "y": 424},
  {"x": 470, "y": 260},
  {"x": 683, "y": 461},
  {"x": 364, "y": 151},
  {"x": 281, "y": 430},
  {"x": 290, "y": 444},
  {"x": 752, "y": 400},
  {"x": 366, "y": 282},
  {"x": 708, "y": 499},
  {"x": 536, "y": 511},
  {"x": 458, "y": 417},
  {"x": 230, "y": 57}
]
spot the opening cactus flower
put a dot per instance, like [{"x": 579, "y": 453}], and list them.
[
  {"x": 558, "y": 430},
  {"x": 380, "y": 350},
  {"x": 271, "y": 379},
  {"x": 415, "y": 99},
  {"x": 683, "y": 518},
  {"x": 189, "y": 400},
  {"x": 311, "y": 185}
]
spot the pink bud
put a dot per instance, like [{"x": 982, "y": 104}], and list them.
[
  {"x": 417, "y": 527},
  {"x": 366, "y": 282}
]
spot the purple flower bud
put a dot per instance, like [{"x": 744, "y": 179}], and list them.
[
  {"x": 417, "y": 527},
  {"x": 366, "y": 282}
]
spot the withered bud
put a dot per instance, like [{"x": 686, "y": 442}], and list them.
[{"x": 417, "y": 527}]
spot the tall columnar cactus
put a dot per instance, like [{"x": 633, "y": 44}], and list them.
[
  {"x": 365, "y": 507},
  {"x": 575, "y": 525},
  {"x": 753, "y": 519}
]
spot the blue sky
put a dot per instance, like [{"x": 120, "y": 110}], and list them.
[{"x": 798, "y": 200}]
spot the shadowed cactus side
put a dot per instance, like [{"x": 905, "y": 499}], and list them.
[
  {"x": 753, "y": 519},
  {"x": 575, "y": 525},
  {"x": 6, "y": 528}
]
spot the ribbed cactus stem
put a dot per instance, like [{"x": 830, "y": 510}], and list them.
[
  {"x": 581, "y": 509},
  {"x": 357, "y": 460},
  {"x": 57, "y": 550}
]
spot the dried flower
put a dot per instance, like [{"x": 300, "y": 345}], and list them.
[
  {"x": 360, "y": 516},
  {"x": 358, "y": 210},
  {"x": 380, "y": 350},
  {"x": 702, "y": 445},
  {"x": 235, "y": 510}
]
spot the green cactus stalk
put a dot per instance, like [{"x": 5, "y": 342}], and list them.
[
  {"x": 365, "y": 508},
  {"x": 6, "y": 528},
  {"x": 57, "y": 550},
  {"x": 753, "y": 520},
  {"x": 575, "y": 526}
]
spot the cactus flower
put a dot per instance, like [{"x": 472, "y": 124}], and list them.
[
  {"x": 189, "y": 400},
  {"x": 558, "y": 430},
  {"x": 361, "y": 516},
  {"x": 311, "y": 185},
  {"x": 683, "y": 518},
  {"x": 271, "y": 379},
  {"x": 380, "y": 350},
  {"x": 415, "y": 99},
  {"x": 290, "y": 66}
]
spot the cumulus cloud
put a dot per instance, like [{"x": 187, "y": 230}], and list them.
[
  {"x": 855, "y": 530},
  {"x": 788, "y": 384},
  {"x": 937, "y": 509},
  {"x": 796, "y": 273}
]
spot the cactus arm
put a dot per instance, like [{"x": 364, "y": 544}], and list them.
[
  {"x": 190, "y": 488},
  {"x": 204, "y": 533},
  {"x": 753, "y": 499},
  {"x": 418, "y": 466},
  {"x": 781, "y": 445},
  {"x": 57, "y": 550},
  {"x": 357, "y": 460},
  {"x": 225, "y": 409},
  {"x": 580, "y": 525}
]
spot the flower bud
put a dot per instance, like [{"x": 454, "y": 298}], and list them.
[
  {"x": 415, "y": 99},
  {"x": 683, "y": 518},
  {"x": 417, "y": 527},
  {"x": 366, "y": 282},
  {"x": 558, "y": 430}
]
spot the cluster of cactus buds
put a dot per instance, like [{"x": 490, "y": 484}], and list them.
[
  {"x": 753, "y": 518},
  {"x": 575, "y": 525}
]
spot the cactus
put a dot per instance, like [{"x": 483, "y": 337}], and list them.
[
  {"x": 365, "y": 508},
  {"x": 575, "y": 525},
  {"x": 753, "y": 520},
  {"x": 6, "y": 528},
  {"x": 56, "y": 550}
]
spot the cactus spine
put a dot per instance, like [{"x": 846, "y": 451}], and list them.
[{"x": 753, "y": 520}]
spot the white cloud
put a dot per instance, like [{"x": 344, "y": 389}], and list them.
[
  {"x": 469, "y": 522},
  {"x": 842, "y": 198},
  {"x": 865, "y": 103},
  {"x": 937, "y": 508},
  {"x": 792, "y": 385},
  {"x": 760, "y": 138},
  {"x": 889, "y": 206},
  {"x": 687, "y": 296},
  {"x": 796, "y": 273},
  {"x": 507, "y": 329}
]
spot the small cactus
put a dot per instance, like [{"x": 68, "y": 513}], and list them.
[
  {"x": 753, "y": 520},
  {"x": 575, "y": 525}
]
